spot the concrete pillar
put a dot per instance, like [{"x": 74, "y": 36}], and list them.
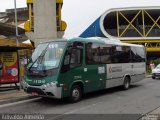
[{"x": 44, "y": 20}]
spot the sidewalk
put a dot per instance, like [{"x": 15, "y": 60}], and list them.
[
  {"x": 148, "y": 76},
  {"x": 153, "y": 115},
  {"x": 10, "y": 94}
]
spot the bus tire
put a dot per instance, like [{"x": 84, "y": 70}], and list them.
[
  {"x": 75, "y": 94},
  {"x": 153, "y": 77},
  {"x": 126, "y": 83}
]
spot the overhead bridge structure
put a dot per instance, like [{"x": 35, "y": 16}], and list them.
[
  {"x": 7, "y": 24},
  {"x": 140, "y": 25}
]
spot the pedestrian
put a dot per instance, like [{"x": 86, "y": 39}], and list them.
[{"x": 152, "y": 65}]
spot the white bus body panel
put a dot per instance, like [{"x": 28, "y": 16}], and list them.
[{"x": 116, "y": 73}]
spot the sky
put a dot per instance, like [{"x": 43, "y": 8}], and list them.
[{"x": 79, "y": 14}]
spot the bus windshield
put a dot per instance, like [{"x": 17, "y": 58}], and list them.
[{"x": 47, "y": 56}]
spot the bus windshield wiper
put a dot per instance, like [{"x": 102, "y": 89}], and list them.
[{"x": 41, "y": 55}]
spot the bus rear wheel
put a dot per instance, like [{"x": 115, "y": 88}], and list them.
[
  {"x": 126, "y": 83},
  {"x": 153, "y": 77},
  {"x": 75, "y": 94}
]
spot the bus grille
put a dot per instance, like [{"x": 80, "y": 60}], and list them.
[{"x": 37, "y": 90}]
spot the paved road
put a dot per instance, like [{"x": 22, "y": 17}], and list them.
[{"x": 141, "y": 98}]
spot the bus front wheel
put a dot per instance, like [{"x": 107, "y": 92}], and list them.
[
  {"x": 75, "y": 94},
  {"x": 126, "y": 83},
  {"x": 153, "y": 77}
]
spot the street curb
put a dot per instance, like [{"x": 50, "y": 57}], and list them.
[
  {"x": 6, "y": 101},
  {"x": 148, "y": 76},
  {"x": 153, "y": 114}
]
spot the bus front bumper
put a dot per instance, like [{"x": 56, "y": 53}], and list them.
[{"x": 45, "y": 90}]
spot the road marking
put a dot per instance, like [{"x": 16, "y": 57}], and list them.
[
  {"x": 75, "y": 110},
  {"x": 19, "y": 102},
  {"x": 82, "y": 108}
]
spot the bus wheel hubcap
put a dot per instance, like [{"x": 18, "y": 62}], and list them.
[
  {"x": 127, "y": 84},
  {"x": 75, "y": 94}
]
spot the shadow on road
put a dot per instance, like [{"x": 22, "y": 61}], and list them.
[
  {"x": 7, "y": 88},
  {"x": 156, "y": 79},
  {"x": 107, "y": 91},
  {"x": 59, "y": 102}
]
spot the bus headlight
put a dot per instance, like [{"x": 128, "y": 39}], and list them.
[
  {"x": 48, "y": 85},
  {"x": 24, "y": 82},
  {"x": 44, "y": 86},
  {"x": 53, "y": 84}
]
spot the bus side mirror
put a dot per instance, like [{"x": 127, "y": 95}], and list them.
[
  {"x": 66, "y": 64},
  {"x": 66, "y": 60}
]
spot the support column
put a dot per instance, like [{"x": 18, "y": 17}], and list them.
[{"x": 44, "y": 20}]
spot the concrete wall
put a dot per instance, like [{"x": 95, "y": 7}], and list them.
[{"x": 44, "y": 20}]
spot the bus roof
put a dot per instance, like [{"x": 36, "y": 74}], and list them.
[
  {"x": 99, "y": 40},
  {"x": 102, "y": 40}
]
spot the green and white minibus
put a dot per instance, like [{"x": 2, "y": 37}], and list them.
[{"x": 71, "y": 68}]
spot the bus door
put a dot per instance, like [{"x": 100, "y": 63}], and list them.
[
  {"x": 94, "y": 77},
  {"x": 94, "y": 72},
  {"x": 72, "y": 69}
]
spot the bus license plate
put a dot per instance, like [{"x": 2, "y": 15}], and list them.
[{"x": 34, "y": 94}]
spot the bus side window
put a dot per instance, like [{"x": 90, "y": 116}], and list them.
[
  {"x": 76, "y": 58},
  {"x": 66, "y": 61},
  {"x": 138, "y": 54},
  {"x": 89, "y": 53},
  {"x": 72, "y": 59}
]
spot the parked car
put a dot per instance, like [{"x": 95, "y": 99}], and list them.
[{"x": 156, "y": 72}]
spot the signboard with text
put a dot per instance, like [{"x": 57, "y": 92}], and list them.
[{"x": 9, "y": 72}]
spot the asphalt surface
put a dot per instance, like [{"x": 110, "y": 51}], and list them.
[{"x": 143, "y": 97}]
